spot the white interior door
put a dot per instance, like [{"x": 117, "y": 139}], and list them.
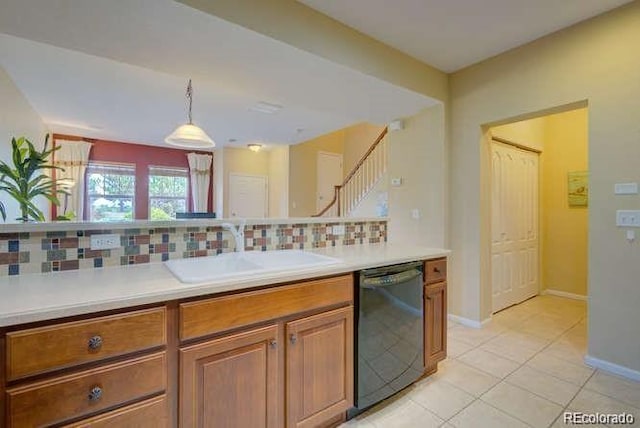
[
  {"x": 329, "y": 175},
  {"x": 248, "y": 196},
  {"x": 514, "y": 225}
]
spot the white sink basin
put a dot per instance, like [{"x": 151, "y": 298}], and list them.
[{"x": 228, "y": 265}]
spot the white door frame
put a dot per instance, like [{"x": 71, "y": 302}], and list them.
[
  {"x": 325, "y": 153},
  {"x": 266, "y": 189}
]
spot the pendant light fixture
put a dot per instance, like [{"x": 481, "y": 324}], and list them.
[{"x": 189, "y": 135}]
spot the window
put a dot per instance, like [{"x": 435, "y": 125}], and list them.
[
  {"x": 168, "y": 189},
  {"x": 110, "y": 191}
]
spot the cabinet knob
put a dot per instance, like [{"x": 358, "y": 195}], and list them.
[
  {"x": 293, "y": 339},
  {"x": 436, "y": 270},
  {"x": 95, "y": 393},
  {"x": 95, "y": 343},
  {"x": 273, "y": 343}
]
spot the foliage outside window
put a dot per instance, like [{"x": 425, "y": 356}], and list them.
[
  {"x": 168, "y": 190},
  {"x": 111, "y": 191}
]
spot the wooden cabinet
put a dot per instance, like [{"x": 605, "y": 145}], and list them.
[
  {"x": 231, "y": 381},
  {"x": 146, "y": 414},
  {"x": 319, "y": 367},
  {"x": 100, "y": 368},
  {"x": 435, "y": 271},
  {"x": 435, "y": 316},
  {"x": 43, "y": 349},
  {"x": 272, "y": 357},
  {"x": 256, "y": 378},
  {"x": 209, "y": 316},
  {"x": 435, "y": 313}
]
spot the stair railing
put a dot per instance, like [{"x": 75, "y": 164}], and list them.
[{"x": 362, "y": 178}]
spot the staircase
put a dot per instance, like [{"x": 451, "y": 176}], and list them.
[{"x": 359, "y": 182}]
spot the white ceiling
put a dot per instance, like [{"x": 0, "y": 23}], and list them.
[
  {"x": 452, "y": 34},
  {"x": 118, "y": 70}
]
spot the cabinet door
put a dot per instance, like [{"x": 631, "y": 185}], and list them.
[
  {"x": 231, "y": 381},
  {"x": 319, "y": 367},
  {"x": 435, "y": 323}
]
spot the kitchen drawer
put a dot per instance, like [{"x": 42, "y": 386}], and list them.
[
  {"x": 146, "y": 414},
  {"x": 72, "y": 396},
  {"x": 435, "y": 271},
  {"x": 52, "y": 347},
  {"x": 204, "y": 317}
]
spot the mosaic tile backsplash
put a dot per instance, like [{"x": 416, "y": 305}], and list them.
[{"x": 41, "y": 252}]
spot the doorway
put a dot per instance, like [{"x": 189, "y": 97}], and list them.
[
  {"x": 248, "y": 195},
  {"x": 538, "y": 235},
  {"x": 329, "y": 175}
]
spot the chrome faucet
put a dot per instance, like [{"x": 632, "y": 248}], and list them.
[{"x": 237, "y": 232}]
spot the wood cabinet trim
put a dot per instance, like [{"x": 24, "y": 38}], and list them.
[
  {"x": 437, "y": 328},
  {"x": 48, "y": 348},
  {"x": 215, "y": 315},
  {"x": 3, "y": 380},
  {"x": 67, "y": 396},
  {"x": 150, "y": 413},
  {"x": 435, "y": 270},
  {"x": 266, "y": 338},
  {"x": 295, "y": 411}
]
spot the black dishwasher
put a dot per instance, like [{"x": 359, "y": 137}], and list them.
[{"x": 389, "y": 332}]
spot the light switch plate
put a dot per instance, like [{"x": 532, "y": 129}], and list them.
[
  {"x": 105, "y": 242},
  {"x": 626, "y": 188},
  {"x": 628, "y": 218},
  {"x": 396, "y": 181}
]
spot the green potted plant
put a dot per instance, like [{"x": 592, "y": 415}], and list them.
[{"x": 25, "y": 179}]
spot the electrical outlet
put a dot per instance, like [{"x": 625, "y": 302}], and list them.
[
  {"x": 628, "y": 218},
  {"x": 105, "y": 242},
  {"x": 415, "y": 214},
  {"x": 338, "y": 229}
]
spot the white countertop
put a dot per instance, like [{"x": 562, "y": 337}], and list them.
[
  {"x": 38, "y": 297},
  {"x": 53, "y": 226}
]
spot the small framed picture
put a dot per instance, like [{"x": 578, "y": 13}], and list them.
[{"x": 578, "y": 188}]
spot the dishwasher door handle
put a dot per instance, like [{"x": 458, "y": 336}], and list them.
[{"x": 386, "y": 280}]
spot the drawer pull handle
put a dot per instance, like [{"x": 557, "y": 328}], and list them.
[
  {"x": 273, "y": 344},
  {"x": 293, "y": 339},
  {"x": 95, "y": 394},
  {"x": 436, "y": 270},
  {"x": 95, "y": 343}
]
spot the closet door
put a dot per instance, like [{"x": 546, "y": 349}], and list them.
[{"x": 514, "y": 225}]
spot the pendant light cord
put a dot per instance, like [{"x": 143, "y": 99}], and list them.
[{"x": 190, "y": 96}]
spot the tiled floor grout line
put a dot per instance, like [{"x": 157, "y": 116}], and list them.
[
  {"x": 552, "y": 341},
  {"x": 503, "y": 411},
  {"x": 602, "y": 393},
  {"x": 566, "y": 407}
]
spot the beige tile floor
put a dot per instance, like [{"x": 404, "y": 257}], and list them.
[{"x": 524, "y": 369}]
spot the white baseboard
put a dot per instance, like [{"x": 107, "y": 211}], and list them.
[
  {"x": 468, "y": 322},
  {"x": 564, "y": 294},
  {"x": 616, "y": 369}
]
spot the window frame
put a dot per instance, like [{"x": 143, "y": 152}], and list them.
[
  {"x": 168, "y": 171},
  {"x": 128, "y": 169}
]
